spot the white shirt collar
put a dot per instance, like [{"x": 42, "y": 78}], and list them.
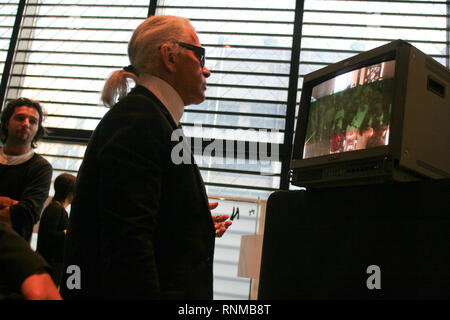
[
  {"x": 9, "y": 160},
  {"x": 165, "y": 93}
]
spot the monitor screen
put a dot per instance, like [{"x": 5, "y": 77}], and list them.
[{"x": 351, "y": 111}]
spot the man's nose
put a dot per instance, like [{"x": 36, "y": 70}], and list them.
[{"x": 206, "y": 72}]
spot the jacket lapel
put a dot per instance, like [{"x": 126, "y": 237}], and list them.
[{"x": 140, "y": 90}]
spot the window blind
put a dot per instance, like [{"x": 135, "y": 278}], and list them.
[{"x": 8, "y": 11}]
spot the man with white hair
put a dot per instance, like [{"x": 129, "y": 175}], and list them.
[{"x": 140, "y": 225}]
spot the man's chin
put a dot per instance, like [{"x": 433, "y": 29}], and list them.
[
  {"x": 24, "y": 140},
  {"x": 198, "y": 101}
]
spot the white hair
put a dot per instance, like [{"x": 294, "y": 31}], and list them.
[{"x": 143, "y": 52}]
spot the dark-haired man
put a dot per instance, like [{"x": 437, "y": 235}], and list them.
[
  {"x": 25, "y": 176},
  {"x": 54, "y": 224}
]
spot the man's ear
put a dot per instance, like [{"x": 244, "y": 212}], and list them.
[{"x": 168, "y": 57}]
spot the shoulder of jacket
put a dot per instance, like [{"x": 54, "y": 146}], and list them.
[{"x": 40, "y": 160}]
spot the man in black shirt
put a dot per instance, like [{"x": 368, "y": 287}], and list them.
[{"x": 25, "y": 176}]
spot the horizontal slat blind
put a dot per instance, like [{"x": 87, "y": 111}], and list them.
[
  {"x": 346, "y": 28},
  {"x": 248, "y": 50},
  {"x": 8, "y": 11},
  {"x": 65, "y": 51}
]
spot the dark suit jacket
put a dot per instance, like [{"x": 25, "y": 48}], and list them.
[
  {"x": 28, "y": 183},
  {"x": 140, "y": 225},
  {"x": 51, "y": 236}
]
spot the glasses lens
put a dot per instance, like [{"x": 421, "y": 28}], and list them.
[
  {"x": 201, "y": 58},
  {"x": 198, "y": 51}
]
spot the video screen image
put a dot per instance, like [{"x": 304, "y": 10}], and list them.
[{"x": 351, "y": 111}]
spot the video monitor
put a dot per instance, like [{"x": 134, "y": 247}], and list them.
[{"x": 381, "y": 115}]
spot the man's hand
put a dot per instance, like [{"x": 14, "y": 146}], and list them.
[
  {"x": 213, "y": 205},
  {"x": 40, "y": 286},
  {"x": 220, "y": 223},
  {"x": 7, "y": 202}
]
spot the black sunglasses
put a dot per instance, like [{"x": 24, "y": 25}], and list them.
[{"x": 198, "y": 51}]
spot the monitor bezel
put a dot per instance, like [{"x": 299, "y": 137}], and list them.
[{"x": 397, "y": 50}]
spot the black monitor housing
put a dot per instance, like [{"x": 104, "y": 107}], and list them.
[{"x": 378, "y": 116}]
